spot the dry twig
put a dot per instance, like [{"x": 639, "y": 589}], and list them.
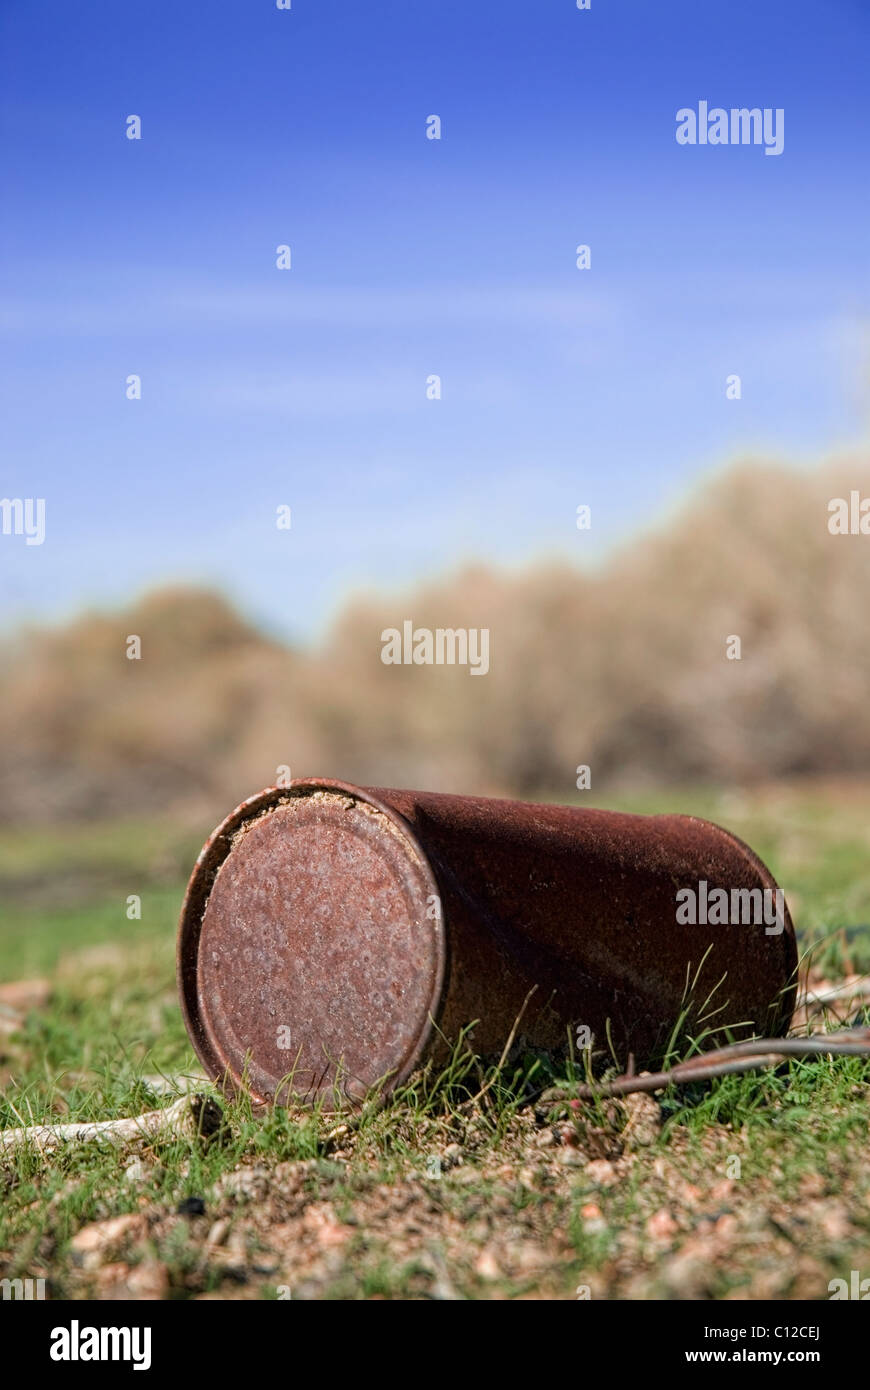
[
  {"x": 186, "y": 1117},
  {"x": 725, "y": 1061}
]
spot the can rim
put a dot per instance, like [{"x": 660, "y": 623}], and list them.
[{"x": 213, "y": 854}]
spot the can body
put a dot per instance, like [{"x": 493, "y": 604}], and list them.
[{"x": 333, "y": 936}]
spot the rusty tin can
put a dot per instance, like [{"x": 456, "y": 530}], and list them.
[{"x": 333, "y": 936}]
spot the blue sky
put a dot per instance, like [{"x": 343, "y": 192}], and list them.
[{"x": 410, "y": 257}]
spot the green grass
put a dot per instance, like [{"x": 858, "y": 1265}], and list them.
[{"x": 393, "y": 1229}]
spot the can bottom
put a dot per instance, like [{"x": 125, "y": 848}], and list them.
[{"x": 320, "y": 949}]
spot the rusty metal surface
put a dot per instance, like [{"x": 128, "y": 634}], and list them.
[{"x": 337, "y": 932}]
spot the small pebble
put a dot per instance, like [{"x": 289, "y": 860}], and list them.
[{"x": 191, "y": 1206}]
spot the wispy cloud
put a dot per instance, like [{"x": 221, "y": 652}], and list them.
[{"x": 164, "y": 306}]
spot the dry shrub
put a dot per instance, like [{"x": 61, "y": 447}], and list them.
[{"x": 623, "y": 668}]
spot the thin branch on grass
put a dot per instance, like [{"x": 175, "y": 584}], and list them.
[
  {"x": 858, "y": 989},
  {"x": 725, "y": 1061},
  {"x": 506, "y": 1049},
  {"x": 187, "y": 1117}
]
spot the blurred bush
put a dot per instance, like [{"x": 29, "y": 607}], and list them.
[{"x": 623, "y": 669}]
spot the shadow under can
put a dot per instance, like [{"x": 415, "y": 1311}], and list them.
[{"x": 334, "y": 936}]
